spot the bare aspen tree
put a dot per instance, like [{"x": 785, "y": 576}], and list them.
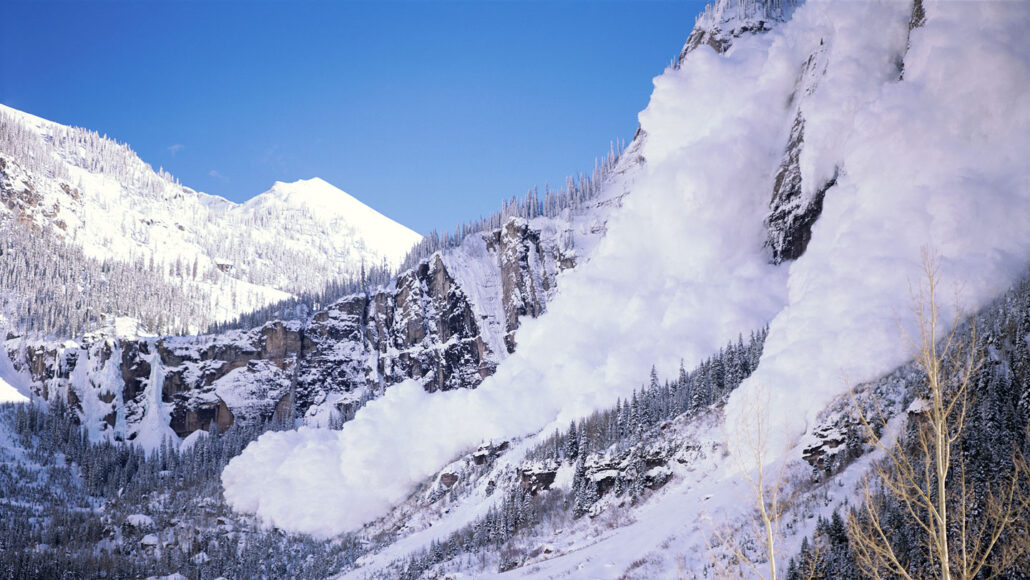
[
  {"x": 766, "y": 483},
  {"x": 927, "y": 478}
]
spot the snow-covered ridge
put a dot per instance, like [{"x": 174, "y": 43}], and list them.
[
  {"x": 98, "y": 195},
  {"x": 722, "y": 12},
  {"x": 724, "y": 20}
]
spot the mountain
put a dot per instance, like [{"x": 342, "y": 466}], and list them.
[
  {"x": 446, "y": 320},
  {"x": 590, "y": 385},
  {"x": 796, "y": 170},
  {"x": 356, "y": 228},
  {"x": 100, "y": 207}
]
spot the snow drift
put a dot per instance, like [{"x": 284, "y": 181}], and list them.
[
  {"x": 935, "y": 159},
  {"x": 12, "y": 383}
]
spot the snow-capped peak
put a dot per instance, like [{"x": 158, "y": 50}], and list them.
[{"x": 327, "y": 203}]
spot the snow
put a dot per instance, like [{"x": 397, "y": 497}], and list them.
[
  {"x": 253, "y": 391},
  {"x": 149, "y": 540},
  {"x": 270, "y": 472},
  {"x": 479, "y": 276},
  {"x": 152, "y": 429},
  {"x": 476, "y": 268},
  {"x": 613, "y": 318},
  {"x": 119, "y": 327},
  {"x": 140, "y": 521},
  {"x": 9, "y": 394},
  {"x": 14, "y": 386},
  {"x": 936, "y": 160},
  {"x": 333, "y": 206},
  {"x": 192, "y": 439},
  {"x": 918, "y": 406}
]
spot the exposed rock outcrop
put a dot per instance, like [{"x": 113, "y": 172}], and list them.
[{"x": 794, "y": 208}]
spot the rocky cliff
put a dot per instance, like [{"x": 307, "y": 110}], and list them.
[
  {"x": 446, "y": 323},
  {"x": 799, "y": 188}
]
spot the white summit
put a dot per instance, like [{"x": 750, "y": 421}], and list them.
[{"x": 350, "y": 221}]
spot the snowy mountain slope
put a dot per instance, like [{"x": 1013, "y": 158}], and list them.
[
  {"x": 796, "y": 167},
  {"x": 930, "y": 159},
  {"x": 12, "y": 384},
  {"x": 97, "y": 195}
]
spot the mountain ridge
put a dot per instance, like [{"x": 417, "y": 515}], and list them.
[{"x": 223, "y": 258}]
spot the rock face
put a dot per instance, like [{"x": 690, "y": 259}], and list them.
[
  {"x": 794, "y": 206},
  {"x": 445, "y": 323},
  {"x": 792, "y": 210},
  {"x": 527, "y": 276},
  {"x": 724, "y": 20}
]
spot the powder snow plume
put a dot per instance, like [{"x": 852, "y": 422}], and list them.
[{"x": 935, "y": 159}]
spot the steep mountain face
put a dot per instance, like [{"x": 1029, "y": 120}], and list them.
[
  {"x": 96, "y": 196},
  {"x": 793, "y": 210},
  {"x": 446, "y": 323}
]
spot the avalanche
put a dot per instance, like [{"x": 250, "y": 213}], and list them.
[{"x": 933, "y": 159}]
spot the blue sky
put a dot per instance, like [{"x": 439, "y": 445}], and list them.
[{"x": 429, "y": 112}]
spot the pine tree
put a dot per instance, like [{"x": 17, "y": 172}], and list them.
[
  {"x": 579, "y": 489},
  {"x": 572, "y": 442}
]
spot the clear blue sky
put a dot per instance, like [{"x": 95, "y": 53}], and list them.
[{"x": 429, "y": 112}]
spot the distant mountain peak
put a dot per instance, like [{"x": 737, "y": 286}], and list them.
[{"x": 325, "y": 202}]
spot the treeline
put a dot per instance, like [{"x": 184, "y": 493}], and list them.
[
  {"x": 994, "y": 429},
  {"x": 997, "y": 428},
  {"x": 574, "y": 195},
  {"x": 304, "y": 304},
  {"x": 67, "y": 504},
  {"x": 625, "y": 424},
  {"x": 516, "y": 512},
  {"x": 194, "y": 291},
  {"x": 177, "y": 294},
  {"x": 80, "y": 147}
]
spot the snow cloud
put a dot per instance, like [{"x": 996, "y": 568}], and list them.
[{"x": 678, "y": 275}]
